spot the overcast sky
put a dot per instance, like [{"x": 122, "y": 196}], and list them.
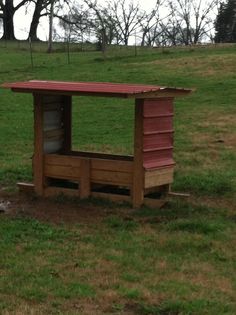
[{"x": 22, "y": 20}]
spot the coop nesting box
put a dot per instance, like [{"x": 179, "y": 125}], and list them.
[{"x": 58, "y": 169}]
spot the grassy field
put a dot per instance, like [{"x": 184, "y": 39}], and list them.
[{"x": 67, "y": 257}]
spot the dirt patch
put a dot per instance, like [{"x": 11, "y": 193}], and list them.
[{"x": 58, "y": 211}]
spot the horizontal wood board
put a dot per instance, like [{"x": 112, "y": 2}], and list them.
[{"x": 158, "y": 134}]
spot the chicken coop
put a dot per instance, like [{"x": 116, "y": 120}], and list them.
[{"x": 143, "y": 178}]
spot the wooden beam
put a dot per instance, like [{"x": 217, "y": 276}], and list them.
[
  {"x": 84, "y": 184},
  {"x": 67, "y": 122},
  {"x": 25, "y": 187},
  {"x": 38, "y": 169},
  {"x": 138, "y": 170}
]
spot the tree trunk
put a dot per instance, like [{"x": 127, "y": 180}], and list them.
[
  {"x": 50, "y": 27},
  {"x": 8, "y": 23},
  {"x": 35, "y": 20},
  {"x": 143, "y": 39}
]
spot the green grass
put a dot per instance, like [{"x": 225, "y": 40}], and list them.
[{"x": 109, "y": 259}]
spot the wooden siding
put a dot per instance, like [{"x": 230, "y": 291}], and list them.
[
  {"x": 113, "y": 172},
  {"x": 158, "y": 133},
  {"x": 158, "y": 177}
]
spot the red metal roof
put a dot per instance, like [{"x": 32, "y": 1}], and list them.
[{"x": 96, "y": 89}]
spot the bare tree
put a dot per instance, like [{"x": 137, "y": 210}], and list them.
[
  {"x": 151, "y": 25},
  {"x": 127, "y": 16},
  {"x": 191, "y": 20},
  {"x": 76, "y": 23},
  {"x": 104, "y": 24}
]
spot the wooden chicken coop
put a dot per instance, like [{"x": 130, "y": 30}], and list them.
[{"x": 137, "y": 179}]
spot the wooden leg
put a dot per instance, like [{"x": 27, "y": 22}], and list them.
[
  {"x": 84, "y": 187},
  {"x": 137, "y": 196},
  {"x": 38, "y": 172},
  {"x": 138, "y": 171},
  {"x": 67, "y": 123}
]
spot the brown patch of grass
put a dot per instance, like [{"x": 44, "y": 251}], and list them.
[{"x": 203, "y": 66}]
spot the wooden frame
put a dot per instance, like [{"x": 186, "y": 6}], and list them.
[
  {"x": 87, "y": 169},
  {"x": 136, "y": 179}
]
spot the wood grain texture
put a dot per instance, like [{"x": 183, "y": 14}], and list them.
[
  {"x": 38, "y": 167},
  {"x": 85, "y": 181},
  {"x": 25, "y": 187},
  {"x": 138, "y": 171},
  {"x": 158, "y": 177},
  {"x": 67, "y": 123},
  {"x": 69, "y": 172}
]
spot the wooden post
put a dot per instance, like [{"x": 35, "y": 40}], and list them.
[
  {"x": 84, "y": 185},
  {"x": 38, "y": 172},
  {"x": 138, "y": 172},
  {"x": 67, "y": 122}
]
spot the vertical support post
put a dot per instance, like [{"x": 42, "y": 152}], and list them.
[
  {"x": 38, "y": 172},
  {"x": 67, "y": 122},
  {"x": 84, "y": 185},
  {"x": 138, "y": 171}
]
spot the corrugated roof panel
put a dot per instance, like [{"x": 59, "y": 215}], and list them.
[{"x": 91, "y": 88}]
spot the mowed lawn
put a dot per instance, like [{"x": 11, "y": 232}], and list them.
[{"x": 65, "y": 256}]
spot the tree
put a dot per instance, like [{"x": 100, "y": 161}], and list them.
[
  {"x": 152, "y": 25},
  {"x": 51, "y": 13},
  {"x": 225, "y": 24},
  {"x": 126, "y": 16},
  {"x": 193, "y": 19},
  {"x": 39, "y": 11},
  {"x": 8, "y": 10},
  {"x": 103, "y": 23}
]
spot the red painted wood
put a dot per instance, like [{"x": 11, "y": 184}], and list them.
[
  {"x": 158, "y": 133},
  {"x": 158, "y": 124},
  {"x": 158, "y": 164},
  {"x": 161, "y": 107},
  {"x": 158, "y": 140},
  {"x": 96, "y": 88}
]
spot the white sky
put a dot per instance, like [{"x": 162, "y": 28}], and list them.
[{"x": 22, "y": 20}]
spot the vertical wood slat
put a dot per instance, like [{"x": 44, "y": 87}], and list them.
[
  {"x": 67, "y": 122},
  {"x": 84, "y": 185},
  {"x": 138, "y": 172},
  {"x": 38, "y": 169}
]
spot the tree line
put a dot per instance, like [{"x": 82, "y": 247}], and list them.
[{"x": 168, "y": 22}]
